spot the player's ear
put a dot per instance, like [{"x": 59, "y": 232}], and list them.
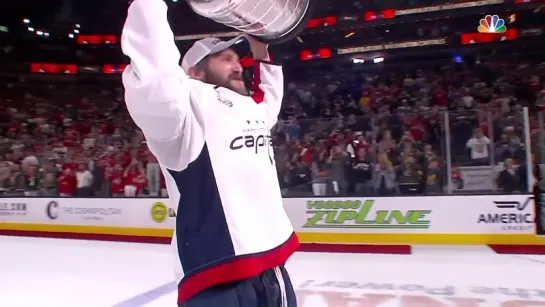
[
  {"x": 199, "y": 71},
  {"x": 196, "y": 73}
]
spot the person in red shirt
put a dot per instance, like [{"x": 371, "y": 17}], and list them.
[
  {"x": 457, "y": 178},
  {"x": 67, "y": 183},
  {"x": 440, "y": 97},
  {"x": 140, "y": 180},
  {"x": 416, "y": 127},
  {"x": 132, "y": 178},
  {"x": 117, "y": 181},
  {"x": 123, "y": 158},
  {"x": 307, "y": 154},
  {"x": 535, "y": 83},
  {"x": 359, "y": 142},
  {"x": 72, "y": 167}
]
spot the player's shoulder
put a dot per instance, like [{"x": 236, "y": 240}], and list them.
[
  {"x": 204, "y": 94},
  {"x": 201, "y": 93},
  {"x": 199, "y": 86}
]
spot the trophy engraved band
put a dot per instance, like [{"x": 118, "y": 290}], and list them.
[{"x": 271, "y": 21}]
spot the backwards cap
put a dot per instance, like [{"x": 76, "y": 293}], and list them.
[{"x": 205, "y": 47}]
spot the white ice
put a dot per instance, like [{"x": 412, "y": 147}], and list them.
[{"x": 67, "y": 273}]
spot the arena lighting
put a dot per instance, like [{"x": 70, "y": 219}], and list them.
[
  {"x": 358, "y": 61},
  {"x": 398, "y": 45},
  {"x": 447, "y": 7},
  {"x": 330, "y": 21},
  {"x": 472, "y": 38},
  {"x": 388, "y": 13},
  {"x": 325, "y": 53},
  {"x": 370, "y": 15},
  {"x": 71, "y": 35},
  {"x": 349, "y": 17},
  {"x": 112, "y": 68},
  {"x": 97, "y": 39},
  {"x": 322, "y": 22},
  {"x": 51, "y": 68},
  {"x": 31, "y": 29},
  {"x": 78, "y": 25},
  {"x": 39, "y": 32},
  {"x": 76, "y": 31},
  {"x": 322, "y": 53},
  {"x": 378, "y": 60},
  {"x": 27, "y": 21},
  {"x": 306, "y": 55},
  {"x": 384, "y": 14}
]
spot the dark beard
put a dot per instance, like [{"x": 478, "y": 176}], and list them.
[{"x": 212, "y": 78}]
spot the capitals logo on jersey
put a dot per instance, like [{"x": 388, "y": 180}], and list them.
[{"x": 256, "y": 137}]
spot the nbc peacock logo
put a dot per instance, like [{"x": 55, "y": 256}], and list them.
[{"x": 492, "y": 24}]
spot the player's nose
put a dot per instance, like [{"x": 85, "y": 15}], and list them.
[{"x": 237, "y": 67}]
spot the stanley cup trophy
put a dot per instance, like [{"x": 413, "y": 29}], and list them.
[{"x": 271, "y": 21}]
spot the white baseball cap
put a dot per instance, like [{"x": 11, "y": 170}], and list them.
[{"x": 205, "y": 47}]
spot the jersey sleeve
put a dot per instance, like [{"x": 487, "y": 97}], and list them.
[
  {"x": 157, "y": 90},
  {"x": 269, "y": 88}
]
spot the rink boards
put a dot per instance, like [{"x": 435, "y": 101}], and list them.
[{"x": 479, "y": 219}]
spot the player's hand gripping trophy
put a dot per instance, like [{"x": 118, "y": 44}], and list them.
[{"x": 270, "y": 21}]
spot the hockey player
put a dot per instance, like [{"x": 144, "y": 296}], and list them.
[{"x": 212, "y": 140}]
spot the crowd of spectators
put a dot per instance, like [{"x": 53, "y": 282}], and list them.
[
  {"x": 361, "y": 134},
  {"x": 72, "y": 141},
  {"x": 387, "y": 134}
]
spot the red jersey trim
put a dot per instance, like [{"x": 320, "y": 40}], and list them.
[
  {"x": 238, "y": 268},
  {"x": 258, "y": 95}
]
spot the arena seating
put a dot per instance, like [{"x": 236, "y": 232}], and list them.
[{"x": 358, "y": 135}]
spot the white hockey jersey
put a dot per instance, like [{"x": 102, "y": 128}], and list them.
[{"x": 214, "y": 147}]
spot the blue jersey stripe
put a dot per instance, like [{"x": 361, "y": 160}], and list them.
[{"x": 201, "y": 228}]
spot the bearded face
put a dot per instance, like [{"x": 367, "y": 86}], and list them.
[{"x": 222, "y": 69}]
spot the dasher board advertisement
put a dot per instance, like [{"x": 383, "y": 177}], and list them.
[
  {"x": 112, "y": 212},
  {"x": 540, "y": 212},
  {"x": 501, "y": 214},
  {"x": 475, "y": 214}
]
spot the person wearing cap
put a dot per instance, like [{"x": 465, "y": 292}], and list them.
[{"x": 211, "y": 136}]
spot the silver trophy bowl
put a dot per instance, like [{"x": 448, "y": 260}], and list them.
[{"x": 271, "y": 21}]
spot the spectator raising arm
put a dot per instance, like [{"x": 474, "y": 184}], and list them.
[{"x": 156, "y": 88}]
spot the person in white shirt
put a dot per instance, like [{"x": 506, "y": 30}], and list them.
[
  {"x": 479, "y": 145},
  {"x": 84, "y": 181},
  {"x": 213, "y": 143}
]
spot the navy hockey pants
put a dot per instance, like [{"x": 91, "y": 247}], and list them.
[{"x": 260, "y": 291}]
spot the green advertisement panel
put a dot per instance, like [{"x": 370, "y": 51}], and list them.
[{"x": 364, "y": 214}]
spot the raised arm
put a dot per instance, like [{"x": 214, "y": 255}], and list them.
[
  {"x": 156, "y": 88},
  {"x": 268, "y": 80}
]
